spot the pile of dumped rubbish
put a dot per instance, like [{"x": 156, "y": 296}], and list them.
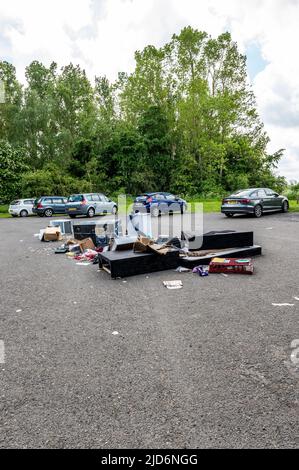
[{"x": 138, "y": 252}]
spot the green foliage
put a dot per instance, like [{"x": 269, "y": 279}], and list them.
[
  {"x": 12, "y": 166},
  {"x": 51, "y": 180},
  {"x": 184, "y": 120},
  {"x": 293, "y": 191}
]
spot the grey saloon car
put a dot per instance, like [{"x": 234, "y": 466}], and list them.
[
  {"x": 254, "y": 201},
  {"x": 90, "y": 204}
]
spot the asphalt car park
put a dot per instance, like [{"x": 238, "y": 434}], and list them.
[{"x": 95, "y": 362}]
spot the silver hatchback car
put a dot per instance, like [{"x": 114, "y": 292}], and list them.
[
  {"x": 89, "y": 204},
  {"x": 21, "y": 207}
]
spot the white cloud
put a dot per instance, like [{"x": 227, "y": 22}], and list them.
[{"x": 102, "y": 35}]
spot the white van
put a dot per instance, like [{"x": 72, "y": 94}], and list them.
[{"x": 21, "y": 207}]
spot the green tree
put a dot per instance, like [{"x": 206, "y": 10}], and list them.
[
  {"x": 12, "y": 166},
  {"x": 10, "y": 125}
]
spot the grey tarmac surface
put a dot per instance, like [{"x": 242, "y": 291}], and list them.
[{"x": 205, "y": 366}]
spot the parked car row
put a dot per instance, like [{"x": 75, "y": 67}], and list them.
[
  {"x": 253, "y": 201},
  {"x": 89, "y": 204}
]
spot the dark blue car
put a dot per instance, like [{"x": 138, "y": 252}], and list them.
[{"x": 159, "y": 203}]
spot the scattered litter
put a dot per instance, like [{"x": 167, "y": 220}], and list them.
[
  {"x": 296, "y": 298},
  {"x": 231, "y": 265},
  {"x": 269, "y": 228},
  {"x": 115, "y": 333},
  {"x": 283, "y": 305},
  {"x": 202, "y": 271},
  {"x": 62, "y": 249},
  {"x": 19, "y": 310},
  {"x": 224, "y": 275},
  {"x": 21, "y": 241},
  {"x": 173, "y": 284},
  {"x": 181, "y": 269},
  {"x": 124, "y": 281},
  {"x": 83, "y": 263},
  {"x": 36, "y": 235},
  {"x": 74, "y": 302},
  {"x": 88, "y": 255}
]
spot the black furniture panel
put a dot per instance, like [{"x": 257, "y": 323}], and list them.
[
  {"x": 91, "y": 229},
  {"x": 128, "y": 263},
  {"x": 218, "y": 240}
]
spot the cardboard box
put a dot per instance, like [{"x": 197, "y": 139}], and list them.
[{"x": 52, "y": 234}]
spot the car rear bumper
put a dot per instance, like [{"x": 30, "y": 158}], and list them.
[
  {"x": 37, "y": 211},
  {"x": 75, "y": 212},
  {"x": 234, "y": 209}
]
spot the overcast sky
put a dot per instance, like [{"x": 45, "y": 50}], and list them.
[{"x": 102, "y": 35}]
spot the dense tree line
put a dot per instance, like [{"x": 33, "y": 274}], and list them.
[{"x": 185, "y": 121}]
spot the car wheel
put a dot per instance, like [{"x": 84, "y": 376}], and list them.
[
  {"x": 90, "y": 212},
  {"x": 114, "y": 210},
  {"x": 13, "y": 215},
  {"x": 155, "y": 212},
  {"x": 23, "y": 213},
  {"x": 41, "y": 215},
  {"x": 229, "y": 215},
  {"x": 48, "y": 212},
  {"x": 285, "y": 206},
  {"x": 258, "y": 211}
]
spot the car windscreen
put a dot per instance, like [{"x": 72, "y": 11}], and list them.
[{"x": 75, "y": 198}]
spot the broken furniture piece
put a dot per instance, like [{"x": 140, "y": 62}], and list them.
[
  {"x": 128, "y": 263},
  {"x": 124, "y": 242},
  {"x": 216, "y": 240},
  {"x": 205, "y": 259},
  {"x": 148, "y": 256},
  {"x": 101, "y": 232}
]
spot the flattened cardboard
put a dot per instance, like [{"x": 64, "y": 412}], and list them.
[
  {"x": 141, "y": 244},
  {"x": 85, "y": 244},
  {"x": 146, "y": 245}
]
